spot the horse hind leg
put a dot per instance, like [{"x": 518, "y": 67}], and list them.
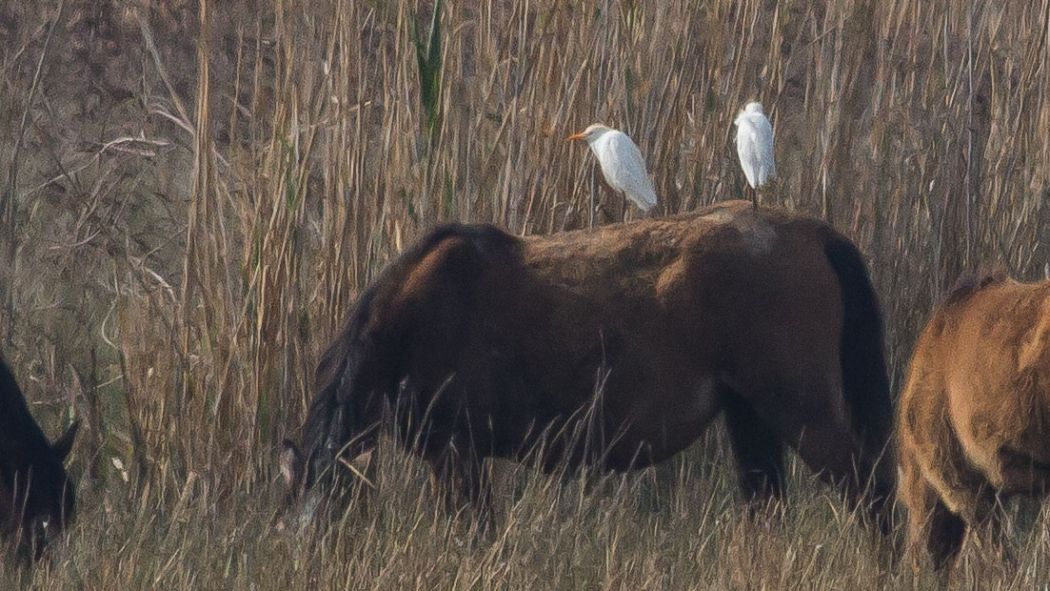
[
  {"x": 758, "y": 450},
  {"x": 825, "y": 441},
  {"x": 931, "y": 525},
  {"x": 944, "y": 534}
]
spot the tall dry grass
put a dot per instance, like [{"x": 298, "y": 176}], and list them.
[{"x": 194, "y": 192}]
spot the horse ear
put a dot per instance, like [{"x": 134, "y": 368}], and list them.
[
  {"x": 64, "y": 444},
  {"x": 291, "y": 464}
]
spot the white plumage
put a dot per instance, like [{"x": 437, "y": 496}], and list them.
[
  {"x": 622, "y": 164},
  {"x": 754, "y": 145}
]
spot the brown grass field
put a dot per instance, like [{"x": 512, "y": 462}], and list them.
[{"x": 192, "y": 193}]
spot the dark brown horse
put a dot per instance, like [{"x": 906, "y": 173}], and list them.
[
  {"x": 974, "y": 417},
  {"x": 36, "y": 495},
  {"x": 614, "y": 347}
]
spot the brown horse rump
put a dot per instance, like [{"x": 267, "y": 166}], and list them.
[{"x": 974, "y": 417}]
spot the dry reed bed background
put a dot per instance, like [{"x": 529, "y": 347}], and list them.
[{"x": 192, "y": 194}]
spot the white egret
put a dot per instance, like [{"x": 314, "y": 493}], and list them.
[
  {"x": 754, "y": 146},
  {"x": 621, "y": 162}
]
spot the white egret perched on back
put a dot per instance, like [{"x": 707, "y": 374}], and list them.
[
  {"x": 754, "y": 145},
  {"x": 621, "y": 162}
]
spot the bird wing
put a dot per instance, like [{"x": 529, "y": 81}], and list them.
[
  {"x": 746, "y": 145},
  {"x": 626, "y": 171},
  {"x": 765, "y": 135}
]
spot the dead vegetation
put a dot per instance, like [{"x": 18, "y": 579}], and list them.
[{"x": 191, "y": 194}]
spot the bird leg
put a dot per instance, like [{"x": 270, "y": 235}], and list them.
[{"x": 594, "y": 203}]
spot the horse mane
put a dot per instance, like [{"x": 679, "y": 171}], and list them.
[
  {"x": 972, "y": 282},
  {"x": 484, "y": 241},
  {"x": 485, "y": 238}
]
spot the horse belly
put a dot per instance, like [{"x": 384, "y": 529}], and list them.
[{"x": 660, "y": 426}]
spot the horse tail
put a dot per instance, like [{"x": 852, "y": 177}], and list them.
[{"x": 865, "y": 382}]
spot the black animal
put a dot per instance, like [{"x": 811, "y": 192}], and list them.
[
  {"x": 616, "y": 348},
  {"x": 36, "y": 494}
]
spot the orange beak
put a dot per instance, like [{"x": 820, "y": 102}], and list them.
[{"x": 577, "y": 136}]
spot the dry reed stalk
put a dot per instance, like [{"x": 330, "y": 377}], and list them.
[{"x": 205, "y": 187}]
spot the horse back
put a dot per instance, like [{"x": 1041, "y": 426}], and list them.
[{"x": 679, "y": 308}]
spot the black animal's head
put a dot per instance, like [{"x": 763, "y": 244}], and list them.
[
  {"x": 402, "y": 332},
  {"x": 39, "y": 495},
  {"x": 339, "y": 432}
]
